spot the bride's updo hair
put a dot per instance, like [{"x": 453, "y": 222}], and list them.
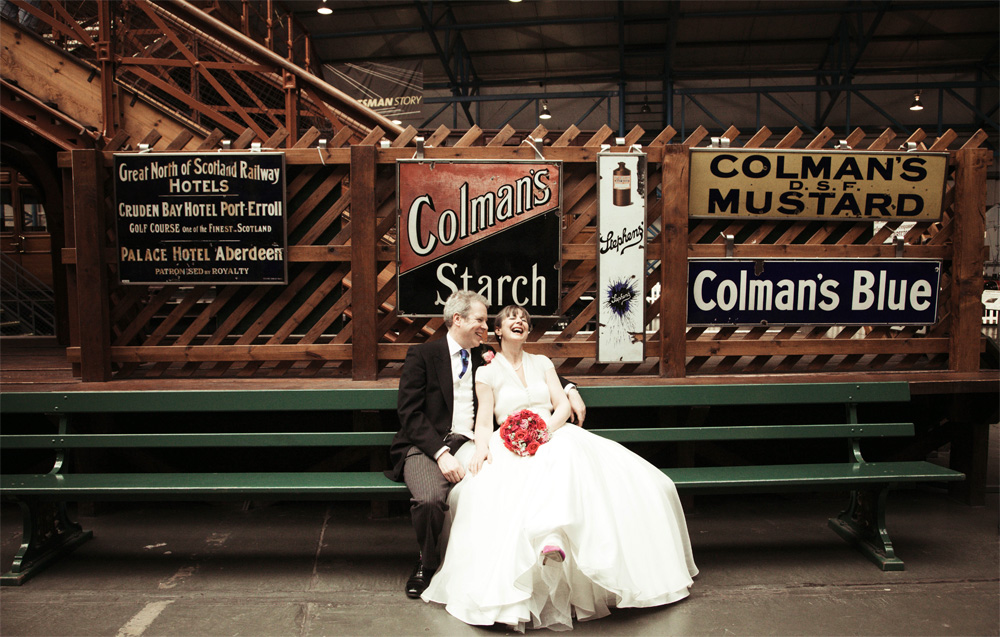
[{"x": 507, "y": 311}]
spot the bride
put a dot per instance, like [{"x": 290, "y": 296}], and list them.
[{"x": 579, "y": 527}]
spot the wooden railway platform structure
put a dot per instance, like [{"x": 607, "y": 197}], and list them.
[{"x": 335, "y": 324}]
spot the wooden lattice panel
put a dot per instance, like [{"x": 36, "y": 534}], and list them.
[{"x": 328, "y": 319}]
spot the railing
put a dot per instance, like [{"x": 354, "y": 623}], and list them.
[
  {"x": 221, "y": 78},
  {"x": 28, "y": 304}
]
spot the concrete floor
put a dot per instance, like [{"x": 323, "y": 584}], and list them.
[{"x": 769, "y": 566}]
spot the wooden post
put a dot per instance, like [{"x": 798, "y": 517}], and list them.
[
  {"x": 291, "y": 94},
  {"x": 969, "y": 225},
  {"x": 105, "y": 55},
  {"x": 676, "y": 170},
  {"x": 364, "y": 277},
  {"x": 91, "y": 271},
  {"x": 291, "y": 109},
  {"x": 69, "y": 240}
]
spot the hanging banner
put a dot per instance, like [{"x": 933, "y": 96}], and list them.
[
  {"x": 216, "y": 218},
  {"x": 490, "y": 227},
  {"x": 806, "y": 184},
  {"x": 621, "y": 260},
  {"x": 813, "y": 291},
  {"x": 395, "y": 91}
]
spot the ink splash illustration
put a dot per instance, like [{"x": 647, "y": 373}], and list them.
[{"x": 621, "y": 298}]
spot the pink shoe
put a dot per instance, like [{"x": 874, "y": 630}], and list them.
[{"x": 553, "y": 553}]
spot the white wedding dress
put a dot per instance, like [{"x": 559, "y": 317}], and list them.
[{"x": 616, "y": 516}]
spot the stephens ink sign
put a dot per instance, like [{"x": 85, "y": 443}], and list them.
[
  {"x": 489, "y": 227},
  {"x": 813, "y": 291},
  {"x": 621, "y": 258},
  {"x": 830, "y": 185},
  {"x": 187, "y": 218}
]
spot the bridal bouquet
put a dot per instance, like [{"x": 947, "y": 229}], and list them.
[{"x": 523, "y": 432}]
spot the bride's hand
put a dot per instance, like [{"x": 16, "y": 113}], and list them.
[{"x": 477, "y": 460}]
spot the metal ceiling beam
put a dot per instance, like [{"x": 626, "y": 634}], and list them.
[
  {"x": 621, "y": 67},
  {"x": 468, "y": 99},
  {"x": 458, "y": 87},
  {"x": 668, "y": 73},
  {"x": 648, "y": 49},
  {"x": 983, "y": 117},
  {"x": 798, "y": 88},
  {"x": 646, "y": 19},
  {"x": 611, "y": 77},
  {"x": 846, "y": 73}
]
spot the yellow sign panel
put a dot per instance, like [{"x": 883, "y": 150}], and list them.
[{"x": 829, "y": 185}]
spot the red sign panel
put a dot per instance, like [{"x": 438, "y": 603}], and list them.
[
  {"x": 489, "y": 227},
  {"x": 445, "y": 206}
]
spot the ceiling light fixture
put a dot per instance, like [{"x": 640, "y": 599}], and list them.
[
  {"x": 545, "y": 114},
  {"x": 324, "y": 10},
  {"x": 916, "y": 105},
  {"x": 645, "y": 105}
]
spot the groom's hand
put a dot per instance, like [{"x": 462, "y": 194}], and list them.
[{"x": 450, "y": 468}]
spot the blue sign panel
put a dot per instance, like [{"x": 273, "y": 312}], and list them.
[{"x": 813, "y": 291}]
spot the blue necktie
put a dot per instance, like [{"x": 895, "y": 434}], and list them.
[{"x": 465, "y": 362}]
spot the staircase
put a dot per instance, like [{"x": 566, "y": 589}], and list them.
[
  {"x": 27, "y": 306},
  {"x": 169, "y": 70}
]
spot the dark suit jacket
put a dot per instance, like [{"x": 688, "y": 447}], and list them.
[{"x": 426, "y": 400}]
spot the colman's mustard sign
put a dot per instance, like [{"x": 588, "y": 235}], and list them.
[{"x": 829, "y": 185}]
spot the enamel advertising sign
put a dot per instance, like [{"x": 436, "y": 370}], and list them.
[
  {"x": 184, "y": 218},
  {"x": 621, "y": 259},
  {"x": 828, "y": 185},
  {"x": 813, "y": 291},
  {"x": 490, "y": 227}
]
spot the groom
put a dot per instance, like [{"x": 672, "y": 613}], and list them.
[{"x": 437, "y": 406}]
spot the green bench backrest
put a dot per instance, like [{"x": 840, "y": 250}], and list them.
[
  {"x": 383, "y": 438},
  {"x": 354, "y": 398}
]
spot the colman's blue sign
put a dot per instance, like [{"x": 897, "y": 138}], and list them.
[{"x": 813, "y": 291}]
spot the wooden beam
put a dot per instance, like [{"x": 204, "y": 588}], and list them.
[
  {"x": 675, "y": 171},
  {"x": 969, "y": 224},
  {"x": 91, "y": 271},
  {"x": 364, "y": 272}
]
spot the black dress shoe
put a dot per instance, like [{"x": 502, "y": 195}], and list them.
[{"x": 418, "y": 581}]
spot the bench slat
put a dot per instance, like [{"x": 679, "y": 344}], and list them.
[
  {"x": 756, "y": 432},
  {"x": 353, "y": 398},
  {"x": 826, "y": 475},
  {"x": 759, "y": 394},
  {"x": 128, "y": 441},
  {"x": 361, "y": 485},
  {"x": 203, "y": 486},
  {"x": 173, "y": 401},
  {"x": 382, "y": 438}
]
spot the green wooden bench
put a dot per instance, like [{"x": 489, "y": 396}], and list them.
[{"x": 48, "y": 532}]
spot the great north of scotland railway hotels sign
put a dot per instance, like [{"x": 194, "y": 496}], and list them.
[
  {"x": 206, "y": 218},
  {"x": 827, "y": 185},
  {"x": 490, "y": 227}
]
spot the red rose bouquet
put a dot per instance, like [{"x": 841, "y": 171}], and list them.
[{"x": 523, "y": 432}]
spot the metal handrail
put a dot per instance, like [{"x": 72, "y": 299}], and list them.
[{"x": 26, "y": 300}]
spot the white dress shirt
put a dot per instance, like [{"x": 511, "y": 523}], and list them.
[{"x": 463, "y": 415}]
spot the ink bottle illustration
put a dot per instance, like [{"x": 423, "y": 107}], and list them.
[{"x": 621, "y": 184}]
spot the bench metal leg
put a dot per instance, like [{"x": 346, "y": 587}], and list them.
[
  {"x": 47, "y": 535},
  {"x": 863, "y": 524}
]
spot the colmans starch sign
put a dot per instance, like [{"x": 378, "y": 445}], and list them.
[{"x": 489, "y": 227}]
